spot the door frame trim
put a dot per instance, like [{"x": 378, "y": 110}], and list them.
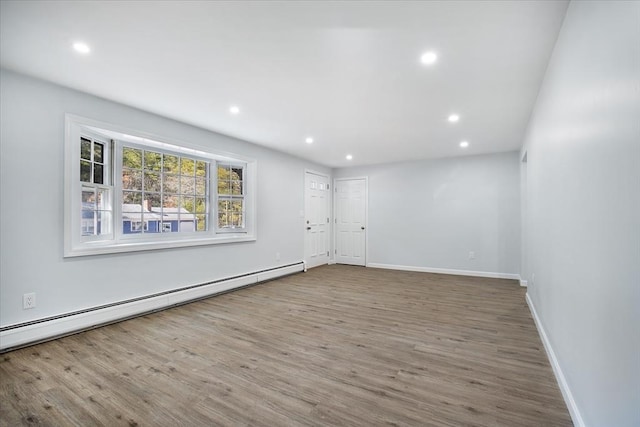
[
  {"x": 334, "y": 243},
  {"x": 329, "y": 211}
]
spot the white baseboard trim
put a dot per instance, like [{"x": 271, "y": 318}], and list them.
[
  {"x": 523, "y": 283},
  {"x": 446, "y": 271},
  {"x": 15, "y": 336},
  {"x": 557, "y": 370}
]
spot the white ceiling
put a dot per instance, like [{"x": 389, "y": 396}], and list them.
[{"x": 346, "y": 73}]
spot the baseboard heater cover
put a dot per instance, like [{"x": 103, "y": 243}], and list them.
[{"x": 24, "y": 334}]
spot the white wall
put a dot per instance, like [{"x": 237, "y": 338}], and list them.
[
  {"x": 31, "y": 210},
  {"x": 430, "y": 214},
  {"x": 583, "y": 198}
]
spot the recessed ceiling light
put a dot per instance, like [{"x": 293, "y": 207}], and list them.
[
  {"x": 349, "y": 157},
  {"x": 309, "y": 140},
  {"x": 464, "y": 144},
  {"x": 454, "y": 118},
  {"x": 234, "y": 109},
  {"x": 428, "y": 58},
  {"x": 81, "y": 47}
]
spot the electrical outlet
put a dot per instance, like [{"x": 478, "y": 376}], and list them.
[
  {"x": 472, "y": 255},
  {"x": 277, "y": 256},
  {"x": 533, "y": 278},
  {"x": 29, "y": 301}
]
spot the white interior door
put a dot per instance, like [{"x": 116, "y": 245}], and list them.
[
  {"x": 316, "y": 211},
  {"x": 351, "y": 215}
]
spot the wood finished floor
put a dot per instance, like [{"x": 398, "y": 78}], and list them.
[{"x": 338, "y": 345}]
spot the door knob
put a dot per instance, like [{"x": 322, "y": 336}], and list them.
[
  {"x": 361, "y": 228},
  {"x": 308, "y": 228}
]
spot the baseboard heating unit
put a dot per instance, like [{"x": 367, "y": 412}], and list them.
[{"x": 28, "y": 333}]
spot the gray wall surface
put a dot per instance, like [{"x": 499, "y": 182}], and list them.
[
  {"x": 583, "y": 209},
  {"x": 31, "y": 213},
  {"x": 432, "y": 213}
]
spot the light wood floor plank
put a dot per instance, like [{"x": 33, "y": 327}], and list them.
[{"x": 338, "y": 345}]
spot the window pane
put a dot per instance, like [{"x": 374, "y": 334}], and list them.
[
  {"x": 131, "y": 213},
  {"x": 201, "y": 168},
  {"x": 135, "y": 227},
  {"x": 187, "y": 166},
  {"x": 152, "y": 223},
  {"x": 188, "y": 204},
  {"x": 132, "y": 197},
  {"x": 237, "y": 220},
  {"x": 236, "y": 213},
  {"x": 187, "y": 185},
  {"x": 153, "y": 202},
  {"x": 85, "y": 171},
  {"x": 131, "y": 158},
  {"x": 88, "y": 223},
  {"x": 230, "y": 213},
  {"x": 168, "y": 192},
  {"x": 223, "y": 172},
  {"x": 236, "y": 173},
  {"x": 151, "y": 182},
  {"x": 103, "y": 225},
  {"x": 171, "y": 164},
  {"x": 170, "y": 204},
  {"x": 133, "y": 210},
  {"x": 201, "y": 187},
  {"x": 236, "y": 205},
  {"x": 187, "y": 223},
  {"x": 236, "y": 187},
  {"x": 171, "y": 183},
  {"x": 98, "y": 173},
  {"x": 201, "y": 206},
  {"x": 98, "y": 152},
  {"x": 224, "y": 187},
  {"x": 152, "y": 161},
  {"x": 85, "y": 149},
  {"x": 103, "y": 203},
  {"x": 201, "y": 223},
  {"x": 88, "y": 198},
  {"x": 131, "y": 180},
  {"x": 222, "y": 219}
]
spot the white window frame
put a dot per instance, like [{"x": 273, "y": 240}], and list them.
[
  {"x": 116, "y": 242},
  {"x": 106, "y": 186},
  {"x": 165, "y": 148},
  {"x": 231, "y": 197}
]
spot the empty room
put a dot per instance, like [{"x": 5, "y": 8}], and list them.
[{"x": 320, "y": 213}]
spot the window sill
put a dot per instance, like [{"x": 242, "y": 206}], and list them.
[{"x": 102, "y": 247}]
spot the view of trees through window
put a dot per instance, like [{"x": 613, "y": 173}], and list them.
[
  {"x": 163, "y": 192},
  {"x": 230, "y": 196},
  {"x": 128, "y": 192}
]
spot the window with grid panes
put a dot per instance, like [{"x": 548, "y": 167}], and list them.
[
  {"x": 167, "y": 192},
  {"x": 130, "y": 193},
  {"x": 96, "y": 207},
  {"x": 230, "y": 196}
]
